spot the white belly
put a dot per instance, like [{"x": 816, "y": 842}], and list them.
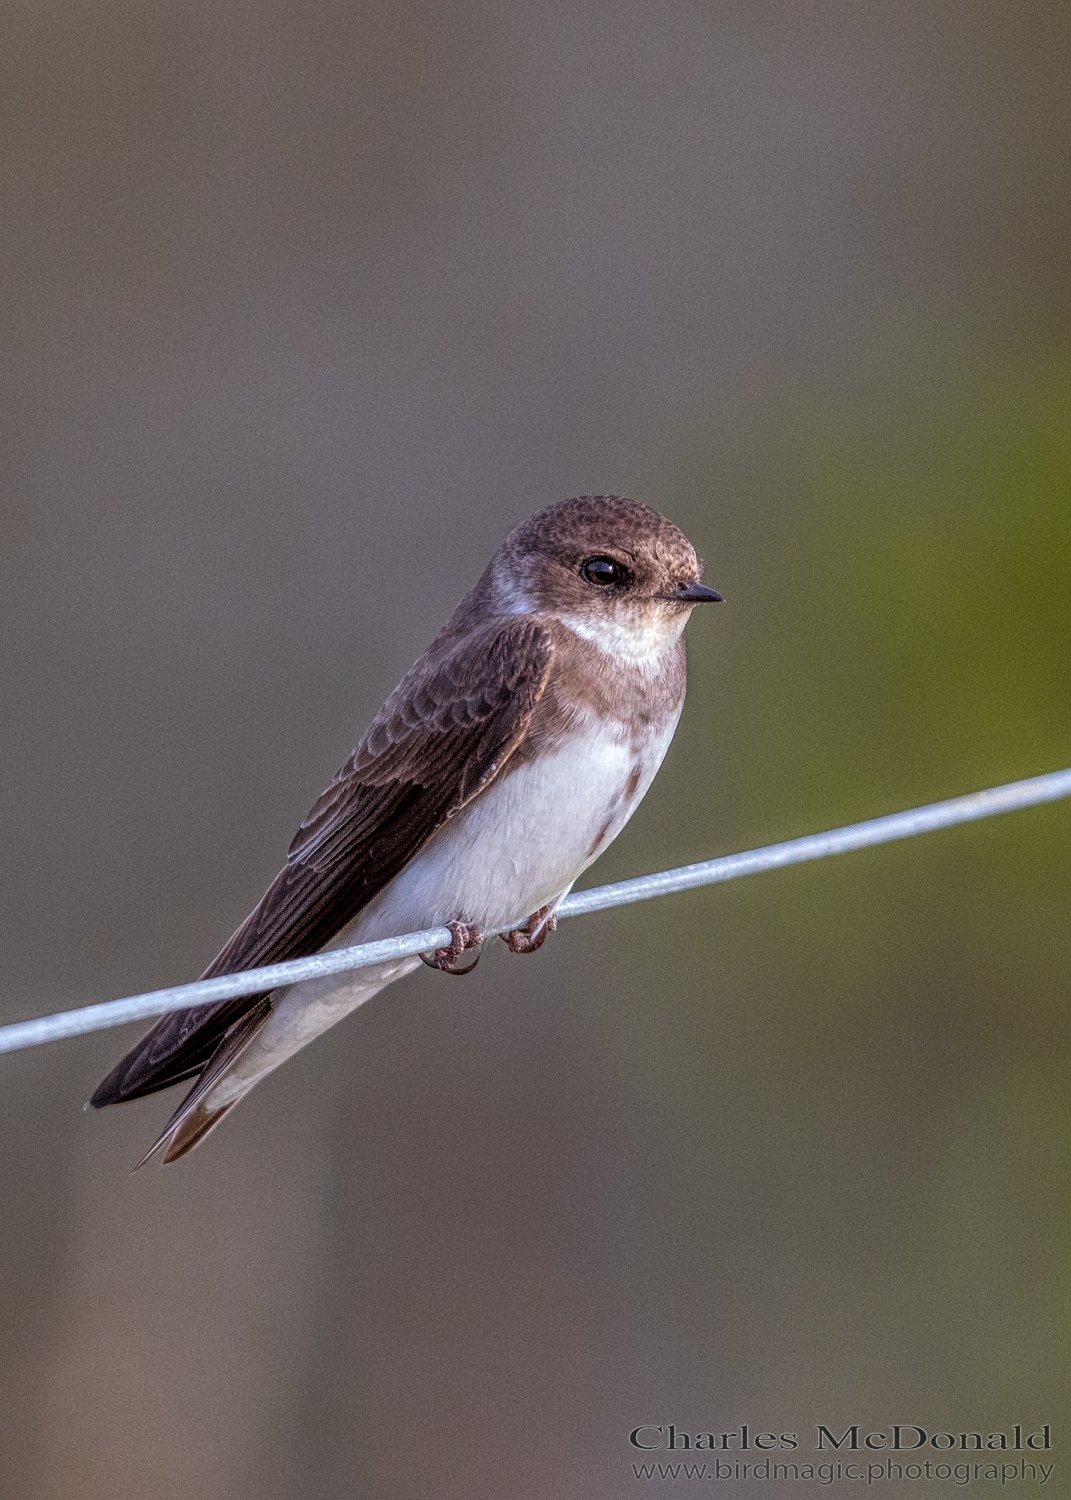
[
  {"x": 516, "y": 847},
  {"x": 521, "y": 843}
]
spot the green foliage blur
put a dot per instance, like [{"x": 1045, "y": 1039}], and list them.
[{"x": 865, "y": 1067}]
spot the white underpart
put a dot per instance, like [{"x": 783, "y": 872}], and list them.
[
  {"x": 516, "y": 847},
  {"x": 638, "y": 637}
]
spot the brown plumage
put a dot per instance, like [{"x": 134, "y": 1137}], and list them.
[
  {"x": 535, "y": 655},
  {"x": 442, "y": 733}
]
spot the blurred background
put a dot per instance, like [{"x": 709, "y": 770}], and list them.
[{"x": 304, "y": 306}]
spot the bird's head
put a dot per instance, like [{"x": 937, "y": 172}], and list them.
[{"x": 614, "y": 571}]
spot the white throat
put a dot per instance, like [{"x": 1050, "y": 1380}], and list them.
[{"x": 636, "y": 641}]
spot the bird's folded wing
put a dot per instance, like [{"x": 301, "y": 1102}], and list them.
[{"x": 440, "y": 738}]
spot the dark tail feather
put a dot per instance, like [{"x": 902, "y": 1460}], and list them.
[
  {"x": 191, "y": 1122},
  {"x": 193, "y": 1130},
  {"x": 178, "y": 1047}
]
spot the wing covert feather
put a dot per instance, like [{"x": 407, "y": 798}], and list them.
[{"x": 440, "y": 738}]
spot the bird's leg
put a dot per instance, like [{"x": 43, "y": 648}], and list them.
[
  {"x": 533, "y": 934},
  {"x": 464, "y": 935}
]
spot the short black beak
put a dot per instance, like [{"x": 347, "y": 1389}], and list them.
[{"x": 696, "y": 593}]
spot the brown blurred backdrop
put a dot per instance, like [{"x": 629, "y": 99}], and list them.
[{"x": 305, "y": 305}]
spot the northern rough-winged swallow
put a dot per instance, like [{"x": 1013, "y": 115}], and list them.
[{"x": 502, "y": 765}]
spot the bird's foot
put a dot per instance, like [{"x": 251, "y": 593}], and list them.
[
  {"x": 533, "y": 934},
  {"x": 464, "y": 935}
]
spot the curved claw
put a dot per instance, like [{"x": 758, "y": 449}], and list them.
[
  {"x": 533, "y": 934},
  {"x": 464, "y": 935}
]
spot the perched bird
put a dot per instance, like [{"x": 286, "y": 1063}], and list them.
[{"x": 502, "y": 765}]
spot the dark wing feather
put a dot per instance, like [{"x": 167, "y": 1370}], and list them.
[{"x": 439, "y": 739}]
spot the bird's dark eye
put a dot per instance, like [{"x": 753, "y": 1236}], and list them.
[{"x": 603, "y": 570}]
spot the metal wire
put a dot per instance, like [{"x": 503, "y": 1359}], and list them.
[{"x": 902, "y": 825}]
